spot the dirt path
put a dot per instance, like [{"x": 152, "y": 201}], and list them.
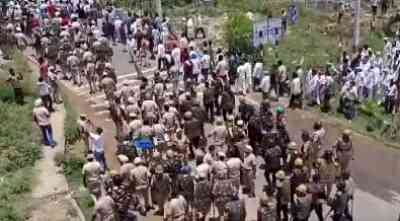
[{"x": 50, "y": 194}]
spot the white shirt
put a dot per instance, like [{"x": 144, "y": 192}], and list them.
[
  {"x": 97, "y": 142},
  {"x": 44, "y": 88},
  {"x": 265, "y": 84},
  {"x": 160, "y": 50},
  {"x": 205, "y": 61},
  {"x": 296, "y": 86}
]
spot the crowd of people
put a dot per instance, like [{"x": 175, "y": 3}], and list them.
[{"x": 207, "y": 138}]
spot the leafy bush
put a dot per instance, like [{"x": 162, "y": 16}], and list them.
[
  {"x": 238, "y": 32},
  {"x": 71, "y": 128},
  {"x": 73, "y": 160}
]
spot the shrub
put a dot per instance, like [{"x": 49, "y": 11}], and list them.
[{"x": 238, "y": 31}]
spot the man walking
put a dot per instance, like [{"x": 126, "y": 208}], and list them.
[{"x": 42, "y": 118}]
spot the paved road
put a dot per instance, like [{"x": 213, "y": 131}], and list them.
[{"x": 376, "y": 169}]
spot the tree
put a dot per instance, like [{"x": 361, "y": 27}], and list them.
[{"x": 238, "y": 30}]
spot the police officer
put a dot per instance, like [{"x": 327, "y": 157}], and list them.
[
  {"x": 318, "y": 193},
  {"x": 299, "y": 176},
  {"x": 327, "y": 169},
  {"x": 235, "y": 210},
  {"x": 274, "y": 158},
  {"x": 222, "y": 192},
  {"x": 202, "y": 196},
  {"x": 302, "y": 204},
  {"x": 234, "y": 164},
  {"x": 267, "y": 210},
  {"x": 160, "y": 188},
  {"x": 125, "y": 169},
  {"x": 339, "y": 203},
  {"x": 176, "y": 209},
  {"x": 282, "y": 195},
  {"x": 344, "y": 150},
  {"x": 249, "y": 168},
  {"x": 219, "y": 134},
  {"x": 91, "y": 175},
  {"x": 140, "y": 177},
  {"x": 105, "y": 209},
  {"x": 185, "y": 183}
]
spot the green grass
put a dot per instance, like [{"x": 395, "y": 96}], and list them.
[
  {"x": 73, "y": 160},
  {"x": 19, "y": 146}
]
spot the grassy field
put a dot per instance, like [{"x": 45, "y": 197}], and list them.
[
  {"x": 19, "y": 145},
  {"x": 73, "y": 160}
]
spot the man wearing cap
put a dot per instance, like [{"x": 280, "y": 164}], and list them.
[
  {"x": 299, "y": 176},
  {"x": 125, "y": 169},
  {"x": 209, "y": 101},
  {"x": 327, "y": 169},
  {"x": 267, "y": 206},
  {"x": 91, "y": 175},
  {"x": 274, "y": 158},
  {"x": 282, "y": 195},
  {"x": 249, "y": 169},
  {"x": 293, "y": 154},
  {"x": 219, "y": 167},
  {"x": 344, "y": 150},
  {"x": 105, "y": 209},
  {"x": 185, "y": 185},
  {"x": 302, "y": 204},
  {"x": 222, "y": 191},
  {"x": 73, "y": 67},
  {"x": 41, "y": 117},
  {"x": 219, "y": 134},
  {"x": 135, "y": 124},
  {"x": 140, "y": 176},
  {"x": 161, "y": 187},
  {"x": 202, "y": 196},
  {"x": 176, "y": 209},
  {"x": 234, "y": 164},
  {"x": 108, "y": 85},
  {"x": 339, "y": 203},
  {"x": 193, "y": 131},
  {"x": 235, "y": 210},
  {"x": 246, "y": 110}
]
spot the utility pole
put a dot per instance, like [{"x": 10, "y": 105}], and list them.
[{"x": 356, "y": 28}]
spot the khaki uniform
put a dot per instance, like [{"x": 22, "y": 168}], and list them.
[
  {"x": 328, "y": 173},
  {"x": 202, "y": 197},
  {"x": 249, "y": 173},
  {"x": 219, "y": 170},
  {"x": 344, "y": 153},
  {"x": 302, "y": 207},
  {"x": 223, "y": 190},
  {"x": 92, "y": 171},
  {"x": 268, "y": 212},
  {"x": 175, "y": 210},
  {"x": 125, "y": 172},
  {"x": 160, "y": 189},
  {"x": 220, "y": 135},
  {"x": 310, "y": 153},
  {"x": 140, "y": 177},
  {"x": 204, "y": 169},
  {"x": 234, "y": 165},
  {"x": 108, "y": 86},
  {"x": 104, "y": 209},
  {"x": 150, "y": 109},
  {"x": 235, "y": 210},
  {"x": 134, "y": 127}
]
